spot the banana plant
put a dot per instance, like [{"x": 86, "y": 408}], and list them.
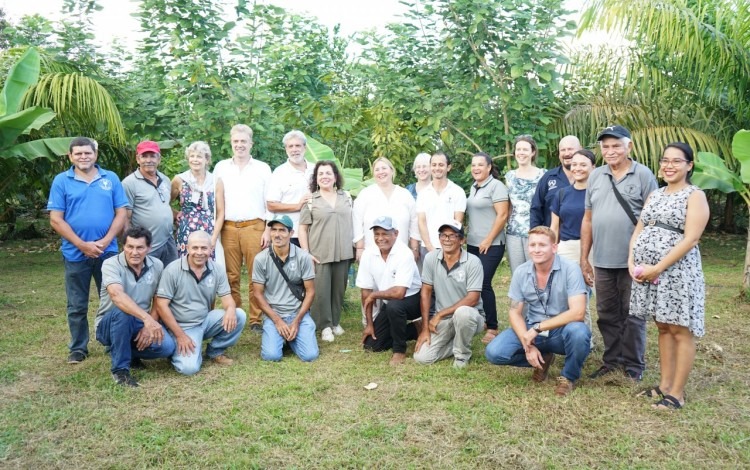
[
  {"x": 712, "y": 173},
  {"x": 317, "y": 151}
]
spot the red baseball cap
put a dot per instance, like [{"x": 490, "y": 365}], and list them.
[{"x": 147, "y": 146}]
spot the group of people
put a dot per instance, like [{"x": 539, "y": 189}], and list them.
[{"x": 423, "y": 274}]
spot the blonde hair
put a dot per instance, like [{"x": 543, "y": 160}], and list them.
[
  {"x": 199, "y": 147},
  {"x": 544, "y": 230},
  {"x": 387, "y": 162},
  {"x": 242, "y": 128}
]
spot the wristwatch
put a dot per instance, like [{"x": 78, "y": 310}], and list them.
[{"x": 537, "y": 327}]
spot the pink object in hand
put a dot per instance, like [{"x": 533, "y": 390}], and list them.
[{"x": 638, "y": 270}]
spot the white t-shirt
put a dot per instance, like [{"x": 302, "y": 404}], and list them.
[
  {"x": 287, "y": 186},
  {"x": 439, "y": 208},
  {"x": 372, "y": 203}
]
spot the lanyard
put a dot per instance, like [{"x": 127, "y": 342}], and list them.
[{"x": 547, "y": 291}]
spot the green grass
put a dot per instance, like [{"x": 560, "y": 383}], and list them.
[{"x": 296, "y": 415}]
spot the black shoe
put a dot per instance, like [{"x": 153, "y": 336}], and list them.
[
  {"x": 137, "y": 364},
  {"x": 601, "y": 372},
  {"x": 257, "y": 329},
  {"x": 633, "y": 375},
  {"x": 123, "y": 377},
  {"x": 76, "y": 357}
]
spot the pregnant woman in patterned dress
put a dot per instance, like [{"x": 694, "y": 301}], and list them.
[
  {"x": 196, "y": 191},
  {"x": 665, "y": 264}
]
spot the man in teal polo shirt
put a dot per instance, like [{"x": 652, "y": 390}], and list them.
[
  {"x": 87, "y": 208},
  {"x": 187, "y": 291}
]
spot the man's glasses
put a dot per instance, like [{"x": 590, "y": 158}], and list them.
[{"x": 448, "y": 236}]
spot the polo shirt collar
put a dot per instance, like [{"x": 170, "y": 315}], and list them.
[
  {"x": 463, "y": 258},
  {"x": 124, "y": 263},
  {"x": 557, "y": 171},
  {"x": 556, "y": 266},
  {"x": 71, "y": 173},
  {"x": 186, "y": 267},
  {"x": 292, "y": 252},
  {"x": 137, "y": 173},
  {"x": 486, "y": 182},
  {"x": 630, "y": 171}
]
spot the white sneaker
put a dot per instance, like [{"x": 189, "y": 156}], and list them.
[
  {"x": 327, "y": 335},
  {"x": 338, "y": 331}
]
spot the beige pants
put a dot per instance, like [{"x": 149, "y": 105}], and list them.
[{"x": 571, "y": 250}]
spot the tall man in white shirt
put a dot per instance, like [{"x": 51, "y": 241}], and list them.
[
  {"x": 241, "y": 185},
  {"x": 391, "y": 287},
  {"x": 290, "y": 182},
  {"x": 440, "y": 201}
]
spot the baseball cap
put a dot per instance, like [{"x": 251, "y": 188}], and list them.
[
  {"x": 453, "y": 225},
  {"x": 617, "y": 132},
  {"x": 285, "y": 220},
  {"x": 147, "y": 146},
  {"x": 383, "y": 222}
]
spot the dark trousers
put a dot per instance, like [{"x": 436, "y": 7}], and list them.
[
  {"x": 391, "y": 328},
  {"x": 624, "y": 335},
  {"x": 490, "y": 262}
]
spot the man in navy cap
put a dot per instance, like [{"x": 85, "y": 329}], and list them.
[
  {"x": 615, "y": 196},
  {"x": 148, "y": 192},
  {"x": 389, "y": 281}
]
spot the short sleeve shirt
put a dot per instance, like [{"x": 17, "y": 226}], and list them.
[
  {"x": 150, "y": 205},
  {"x": 191, "y": 299},
  {"x": 480, "y": 210},
  {"x": 611, "y": 226},
  {"x": 451, "y": 286},
  {"x": 440, "y": 207},
  {"x": 298, "y": 268},
  {"x": 88, "y": 207},
  {"x": 398, "y": 270},
  {"x": 570, "y": 211},
  {"x": 372, "y": 203},
  {"x": 287, "y": 186},
  {"x": 141, "y": 289},
  {"x": 329, "y": 236},
  {"x": 539, "y": 305}
]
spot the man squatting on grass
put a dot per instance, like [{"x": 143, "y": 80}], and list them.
[
  {"x": 127, "y": 322},
  {"x": 187, "y": 292},
  {"x": 547, "y": 308},
  {"x": 287, "y": 312},
  {"x": 389, "y": 281},
  {"x": 455, "y": 276}
]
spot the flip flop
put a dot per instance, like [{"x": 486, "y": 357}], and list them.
[
  {"x": 651, "y": 392},
  {"x": 667, "y": 403}
]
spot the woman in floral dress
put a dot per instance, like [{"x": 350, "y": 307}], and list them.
[
  {"x": 196, "y": 191},
  {"x": 521, "y": 184},
  {"x": 665, "y": 264}
]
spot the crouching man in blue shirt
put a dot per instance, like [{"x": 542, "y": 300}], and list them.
[{"x": 547, "y": 308}]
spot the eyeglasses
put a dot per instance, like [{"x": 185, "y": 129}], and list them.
[
  {"x": 161, "y": 195},
  {"x": 673, "y": 163},
  {"x": 448, "y": 236}
]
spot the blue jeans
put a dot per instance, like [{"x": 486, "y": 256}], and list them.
[
  {"x": 117, "y": 331},
  {"x": 212, "y": 329},
  {"x": 490, "y": 262},
  {"x": 78, "y": 276},
  {"x": 304, "y": 345},
  {"x": 572, "y": 340}
]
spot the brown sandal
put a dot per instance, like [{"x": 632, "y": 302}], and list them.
[{"x": 489, "y": 336}]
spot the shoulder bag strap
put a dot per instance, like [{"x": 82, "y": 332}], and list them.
[
  {"x": 280, "y": 267},
  {"x": 621, "y": 200}
]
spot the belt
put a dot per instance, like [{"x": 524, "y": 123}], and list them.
[
  {"x": 241, "y": 223},
  {"x": 654, "y": 223}
]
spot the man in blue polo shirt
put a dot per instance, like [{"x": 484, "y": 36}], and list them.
[
  {"x": 547, "y": 307},
  {"x": 552, "y": 181},
  {"x": 87, "y": 208}
]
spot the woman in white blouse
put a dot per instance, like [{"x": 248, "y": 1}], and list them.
[{"x": 385, "y": 199}]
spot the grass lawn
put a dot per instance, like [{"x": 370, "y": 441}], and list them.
[{"x": 295, "y": 415}]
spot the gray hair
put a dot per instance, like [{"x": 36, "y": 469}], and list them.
[
  {"x": 625, "y": 141},
  {"x": 294, "y": 134},
  {"x": 199, "y": 234},
  {"x": 422, "y": 157},
  {"x": 243, "y": 129},
  {"x": 199, "y": 147}
]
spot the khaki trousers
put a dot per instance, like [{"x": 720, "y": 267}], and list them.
[{"x": 241, "y": 241}]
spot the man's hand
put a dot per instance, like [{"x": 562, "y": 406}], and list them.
[
  {"x": 281, "y": 327},
  {"x": 265, "y": 239},
  {"x": 433, "y": 324},
  {"x": 368, "y": 331},
  {"x": 369, "y": 301},
  {"x": 293, "y": 330},
  {"x": 92, "y": 249},
  {"x": 424, "y": 338},
  {"x": 303, "y": 200},
  {"x": 185, "y": 345},
  {"x": 527, "y": 340},
  {"x": 151, "y": 332},
  {"x": 588, "y": 272},
  {"x": 534, "y": 357},
  {"x": 229, "y": 322}
]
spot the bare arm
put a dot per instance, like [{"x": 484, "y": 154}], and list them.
[
  {"x": 423, "y": 231},
  {"x": 501, "y": 218},
  {"x": 219, "y": 222},
  {"x": 229, "y": 322},
  {"x": 425, "y": 296},
  {"x": 458, "y": 216},
  {"x": 185, "y": 345},
  {"x": 151, "y": 331},
  {"x": 586, "y": 242},
  {"x": 554, "y": 225}
]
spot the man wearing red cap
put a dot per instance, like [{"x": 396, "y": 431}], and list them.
[{"x": 148, "y": 191}]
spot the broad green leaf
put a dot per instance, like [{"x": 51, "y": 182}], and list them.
[
  {"x": 317, "y": 151},
  {"x": 21, "y": 76},
  {"x": 741, "y": 151},
  {"x": 16, "y": 124},
  {"x": 712, "y": 173},
  {"x": 42, "y": 148},
  {"x": 516, "y": 71}
]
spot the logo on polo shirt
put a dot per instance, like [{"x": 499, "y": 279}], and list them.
[
  {"x": 630, "y": 189},
  {"x": 393, "y": 274},
  {"x": 105, "y": 184},
  {"x": 551, "y": 184},
  {"x": 149, "y": 278},
  {"x": 458, "y": 274},
  {"x": 210, "y": 280},
  {"x": 292, "y": 265}
]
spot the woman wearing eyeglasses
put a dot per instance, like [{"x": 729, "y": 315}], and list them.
[
  {"x": 487, "y": 210},
  {"x": 196, "y": 191},
  {"x": 521, "y": 184},
  {"x": 665, "y": 264}
]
